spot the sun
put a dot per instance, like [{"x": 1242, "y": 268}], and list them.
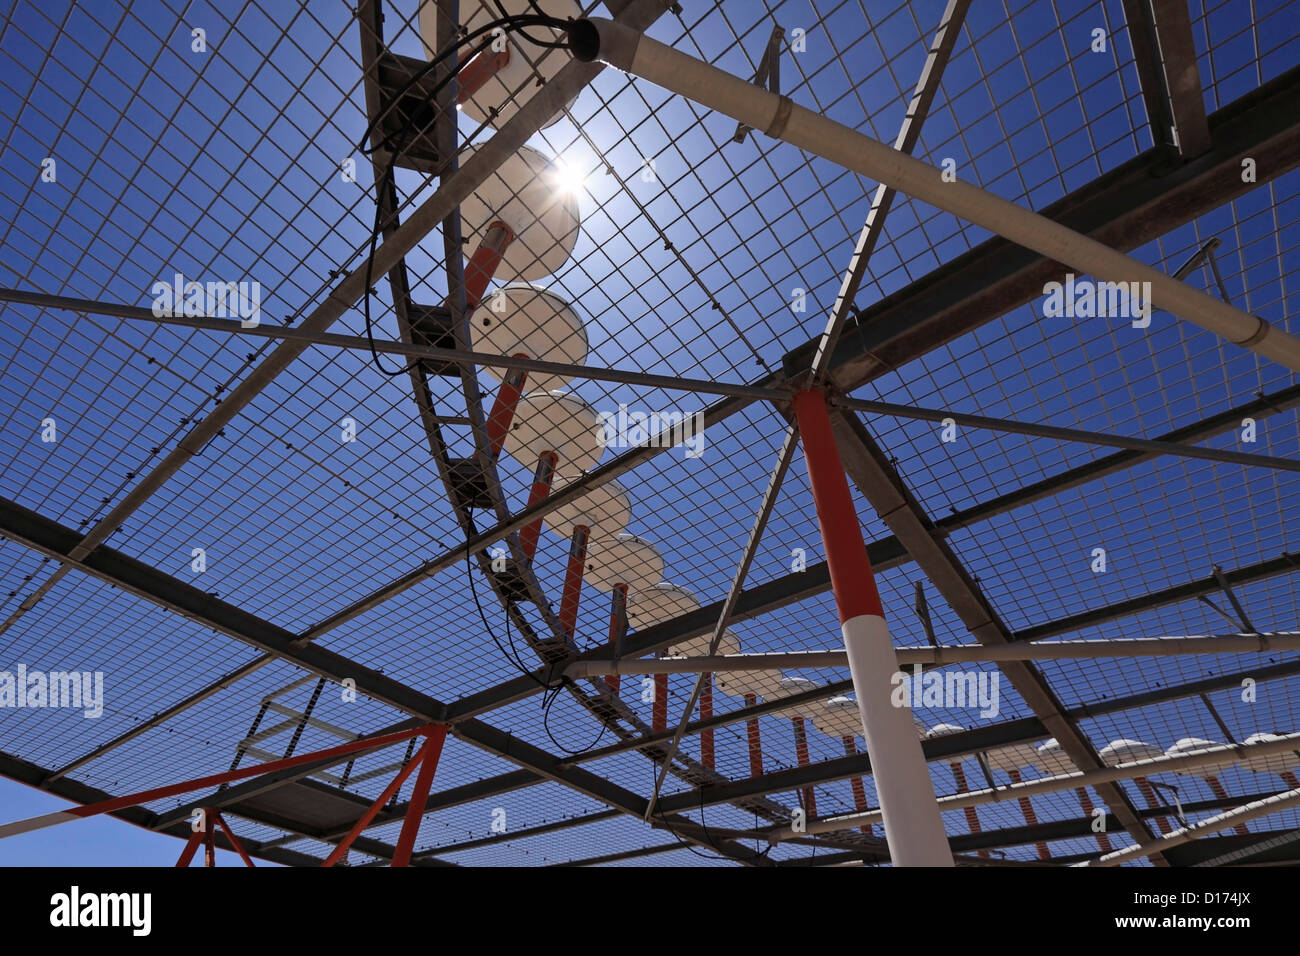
[{"x": 569, "y": 178}]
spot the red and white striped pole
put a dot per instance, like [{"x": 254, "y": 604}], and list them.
[{"x": 913, "y": 825}]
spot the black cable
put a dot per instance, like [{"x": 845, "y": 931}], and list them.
[
  {"x": 509, "y": 24},
  {"x": 395, "y": 147},
  {"x": 387, "y": 181},
  {"x": 514, "y": 648},
  {"x": 546, "y": 715},
  {"x": 512, "y": 658},
  {"x": 516, "y": 24},
  {"x": 550, "y": 44},
  {"x": 709, "y": 840},
  {"x": 388, "y": 142},
  {"x": 708, "y": 837}
]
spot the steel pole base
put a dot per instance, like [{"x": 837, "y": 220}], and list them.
[{"x": 913, "y": 826}]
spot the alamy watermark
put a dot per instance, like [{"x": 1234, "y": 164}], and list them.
[
  {"x": 657, "y": 429},
  {"x": 214, "y": 300},
  {"x": 950, "y": 689},
  {"x": 23, "y": 688},
  {"x": 1086, "y": 299},
  {"x": 74, "y": 908}
]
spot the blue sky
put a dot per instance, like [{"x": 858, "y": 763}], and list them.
[
  {"x": 96, "y": 841},
  {"x": 226, "y": 165}
]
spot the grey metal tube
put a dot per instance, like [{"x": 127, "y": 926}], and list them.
[
  {"x": 357, "y": 343},
  {"x": 1124, "y": 771},
  {"x": 970, "y": 653},
  {"x": 1249, "y": 811},
  {"x": 781, "y": 119}
]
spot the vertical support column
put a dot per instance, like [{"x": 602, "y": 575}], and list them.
[
  {"x": 706, "y": 711},
  {"x": 972, "y": 816},
  {"x": 209, "y": 834},
  {"x": 1149, "y": 795},
  {"x": 913, "y": 825},
  {"x": 573, "y": 579},
  {"x": 503, "y": 410},
  {"x": 859, "y": 789},
  {"x": 419, "y": 794},
  {"x": 476, "y": 69},
  {"x": 801, "y": 757},
  {"x": 483, "y": 264},
  {"x": 1085, "y": 801},
  {"x": 659, "y": 709},
  {"x": 755, "y": 743},
  {"x": 1031, "y": 818},
  {"x": 617, "y": 631},
  {"x": 543, "y": 476}
]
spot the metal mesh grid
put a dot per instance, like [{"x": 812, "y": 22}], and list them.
[{"x": 673, "y": 278}]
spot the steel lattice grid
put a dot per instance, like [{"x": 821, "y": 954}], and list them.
[
  {"x": 904, "y": 86},
  {"x": 1138, "y": 513},
  {"x": 148, "y": 661}
]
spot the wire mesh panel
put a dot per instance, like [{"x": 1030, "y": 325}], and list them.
[{"x": 268, "y": 546}]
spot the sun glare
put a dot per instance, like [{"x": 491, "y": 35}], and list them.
[{"x": 569, "y": 178}]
